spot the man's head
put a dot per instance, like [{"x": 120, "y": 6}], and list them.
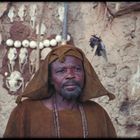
[
  {"x": 67, "y": 77},
  {"x": 71, "y": 84}
]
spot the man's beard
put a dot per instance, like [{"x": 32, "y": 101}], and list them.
[{"x": 71, "y": 95}]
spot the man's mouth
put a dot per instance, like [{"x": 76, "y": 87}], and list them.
[{"x": 70, "y": 86}]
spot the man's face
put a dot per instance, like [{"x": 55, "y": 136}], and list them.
[{"x": 68, "y": 77}]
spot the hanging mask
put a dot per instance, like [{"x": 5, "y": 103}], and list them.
[
  {"x": 15, "y": 81},
  {"x": 23, "y": 56},
  {"x": 12, "y": 55}
]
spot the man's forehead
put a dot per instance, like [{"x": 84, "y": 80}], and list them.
[{"x": 67, "y": 60}]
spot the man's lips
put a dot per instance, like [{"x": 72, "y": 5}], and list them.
[{"x": 70, "y": 86}]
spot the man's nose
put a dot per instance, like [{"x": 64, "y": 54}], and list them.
[{"x": 70, "y": 73}]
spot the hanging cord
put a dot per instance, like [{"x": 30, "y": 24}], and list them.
[
  {"x": 57, "y": 123},
  {"x": 65, "y": 26},
  {"x": 39, "y": 36},
  {"x": 84, "y": 121},
  {"x": 56, "y": 118}
]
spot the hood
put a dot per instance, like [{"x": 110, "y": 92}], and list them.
[{"x": 38, "y": 87}]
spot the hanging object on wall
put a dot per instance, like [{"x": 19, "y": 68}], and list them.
[
  {"x": 9, "y": 42},
  {"x": 27, "y": 47},
  {"x": 33, "y": 13},
  {"x": 45, "y": 52},
  {"x": 32, "y": 62},
  {"x": 4, "y": 7},
  {"x": 11, "y": 14},
  {"x": 61, "y": 13},
  {"x": 21, "y": 12},
  {"x": 12, "y": 56},
  {"x": 19, "y": 31},
  {"x": 15, "y": 81},
  {"x": 98, "y": 46},
  {"x": 42, "y": 29},
  {"x": 14, "y": 64},
  {"x": 17, "y": 44},
  {"x": 65, "y": 24},
  {"x": 25, "y": 43},
  {"x": 23, "y": 58}
]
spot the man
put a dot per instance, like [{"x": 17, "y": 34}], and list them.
[{"x": 58, "y": 100}]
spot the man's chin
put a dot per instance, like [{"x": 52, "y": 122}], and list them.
[{"x": 70, "y": 94}]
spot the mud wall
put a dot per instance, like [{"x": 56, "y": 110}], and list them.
[{"x": 120, "y": 34}]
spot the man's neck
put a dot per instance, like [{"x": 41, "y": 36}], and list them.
[{"x": 61, "y": 103}]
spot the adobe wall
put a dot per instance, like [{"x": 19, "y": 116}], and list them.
[{"x": 120, "y": 74}]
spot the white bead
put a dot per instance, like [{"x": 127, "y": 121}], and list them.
[
  {"x": 17, "y": 44},
  {"x": 41, "y": 45},
  {"x": 46, "y": 43},
  {"x": 45, "y": 52},
  {"x": 68, "y": 37},
  {"x": 6, "y": 73},
  {"x": 33, "y": 44},
  {"x": 53, "y": 42},
  {"x": 9, "y": 42},
  {"x": 58, "y": 38},
  {"x": 25, "y": 43}
]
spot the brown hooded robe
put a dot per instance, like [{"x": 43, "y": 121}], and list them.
[{"x": 30, "y": 118}]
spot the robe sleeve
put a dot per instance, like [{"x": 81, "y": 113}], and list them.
[{"x": 15, "y": 125}]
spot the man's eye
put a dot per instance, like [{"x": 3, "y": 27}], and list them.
[
  {"x": 60, "y": 71},
  {"x": 78, "y": 69}
]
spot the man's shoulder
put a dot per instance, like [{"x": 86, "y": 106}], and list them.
[
  {"x": 93, "y": 105},
  {"x": 90, "y": 103},
  {"x": 27, "y": 103},
  {"x": 25, "y": 106}
]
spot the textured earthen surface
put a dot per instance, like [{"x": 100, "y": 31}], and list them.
[{"x": 120, "y": 74}]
